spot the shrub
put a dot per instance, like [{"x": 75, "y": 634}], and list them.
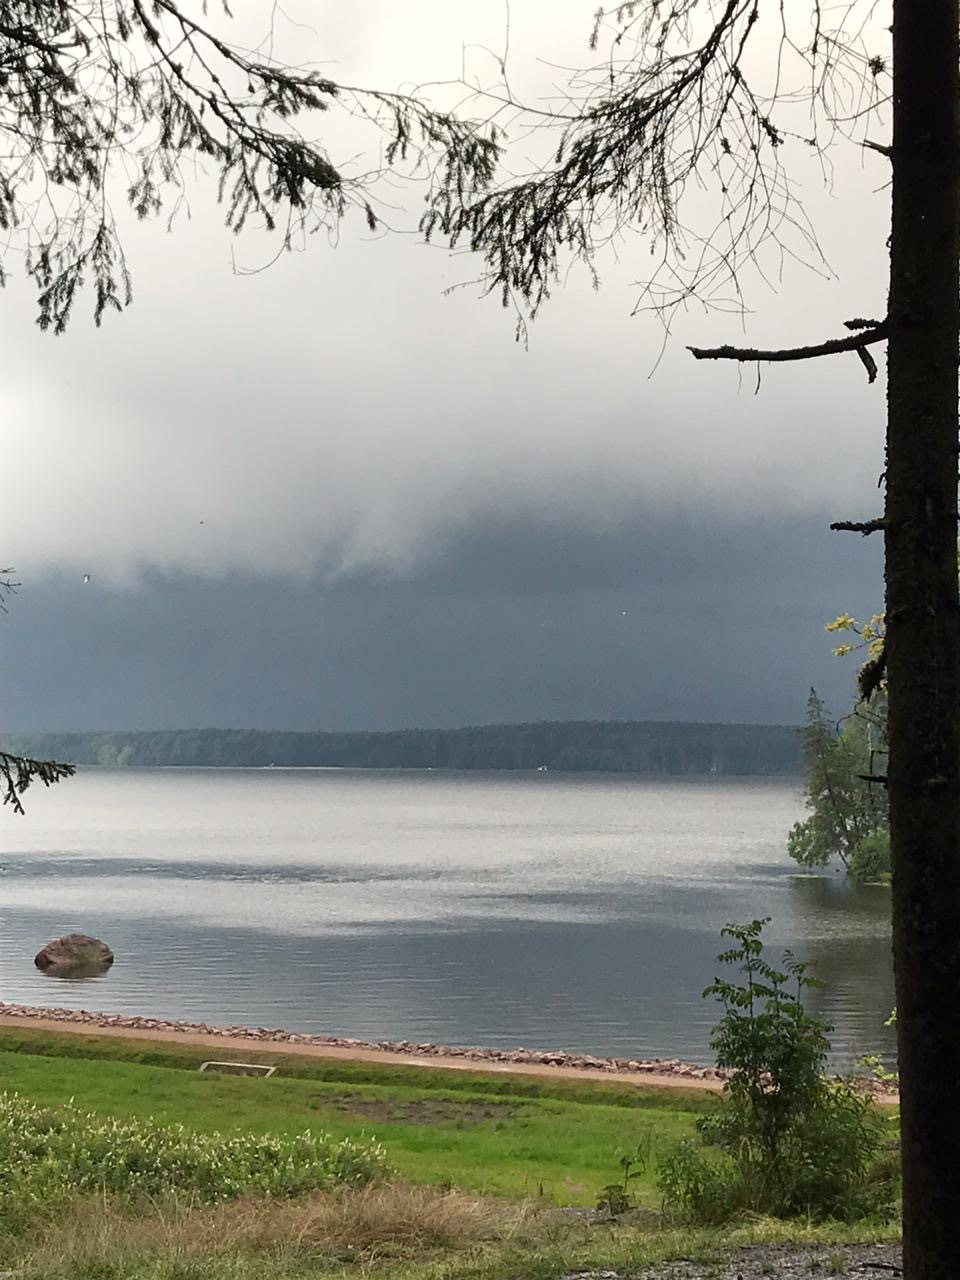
[
  {"x": 46, "y": 1153},
  {"x": 870, "y": 860},
  {"x": 783, "y": 1141}
]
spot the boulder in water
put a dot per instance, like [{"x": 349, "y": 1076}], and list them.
[{"x": 74, "y": 955}]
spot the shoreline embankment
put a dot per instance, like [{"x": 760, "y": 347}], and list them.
[{"x": 664, "y": 1073}]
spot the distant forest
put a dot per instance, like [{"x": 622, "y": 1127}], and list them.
[{"x": 624, "y": 746}]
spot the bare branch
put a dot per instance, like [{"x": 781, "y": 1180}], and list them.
[
  {"x": 7, "y": 587},
  {"x": 856, "y": 342},
  {"x": 865, "y": 527},
  {"x": 879, "y": 147},
  {"x": 868, "y": 362}
]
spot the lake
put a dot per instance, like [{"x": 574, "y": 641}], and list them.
[{"x": 547, "y": 910}]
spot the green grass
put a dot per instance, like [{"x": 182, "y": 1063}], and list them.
[
  {"x": 513, "y": 1148},
  {"x": 495, "y": 1135},
  {"x": 185, "y": 1056}
]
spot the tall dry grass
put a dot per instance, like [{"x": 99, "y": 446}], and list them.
[
  {"x": 97, "y": 1236},
  {"x": 394, "y": 1213}
]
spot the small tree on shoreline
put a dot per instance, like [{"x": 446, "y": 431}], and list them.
[
  {"x": 848, "y": 811},
  {"x": 784, "y": 1140}
]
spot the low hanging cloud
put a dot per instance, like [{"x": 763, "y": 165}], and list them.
[
  {"x": 339, "y": 413},
  {"x": 662, "y": 618},
  {"x": 342, "y": 415}
]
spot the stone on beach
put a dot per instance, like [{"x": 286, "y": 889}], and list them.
[{"x": 74, "y": 954}]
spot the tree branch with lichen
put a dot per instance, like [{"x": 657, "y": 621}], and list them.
[{"x": 856, "y": 342}]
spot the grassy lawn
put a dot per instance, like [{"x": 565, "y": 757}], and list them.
[
  {"x": 485, "y": 1165},
  {"x": 493, "y": 1135}
]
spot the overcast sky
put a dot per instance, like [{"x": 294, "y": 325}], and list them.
[{"x": 330, "y": 494}]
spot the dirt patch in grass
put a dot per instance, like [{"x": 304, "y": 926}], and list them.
[{"x": 458, "y": 1112}]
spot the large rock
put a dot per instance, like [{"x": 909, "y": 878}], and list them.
[{"x": 74, "y": 955}]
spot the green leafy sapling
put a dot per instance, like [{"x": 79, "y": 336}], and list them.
[{"x": 784, "y": 1140}]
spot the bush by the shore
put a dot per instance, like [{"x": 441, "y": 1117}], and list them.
[
  {"x": 784, "y": 1141},
  {"x": 49, "y": 1153}
]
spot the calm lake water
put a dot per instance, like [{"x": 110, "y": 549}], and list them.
[{"x": 546, "y": 910}]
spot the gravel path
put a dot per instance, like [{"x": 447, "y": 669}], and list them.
[{"x": 774, "y": 1262}]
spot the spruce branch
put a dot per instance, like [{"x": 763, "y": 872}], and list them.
[
  {"x": 18, "y": 772},
  {"x": 129, "y": 94}
]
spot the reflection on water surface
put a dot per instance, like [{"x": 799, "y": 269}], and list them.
[{"x": 552, "y": 910}]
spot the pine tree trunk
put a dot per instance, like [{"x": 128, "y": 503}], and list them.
[{"x": 923, "y": 624}]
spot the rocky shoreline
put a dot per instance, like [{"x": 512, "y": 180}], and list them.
[{"x": 278, "y": 1037}]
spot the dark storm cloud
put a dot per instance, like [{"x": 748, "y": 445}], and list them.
[
  {"x": 343, "y": 412},
  {"x": 335, "y": 493},
  {"x": 710, "y": 621}
]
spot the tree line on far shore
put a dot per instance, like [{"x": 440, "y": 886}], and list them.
[{"x": 578, "y": 746}]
